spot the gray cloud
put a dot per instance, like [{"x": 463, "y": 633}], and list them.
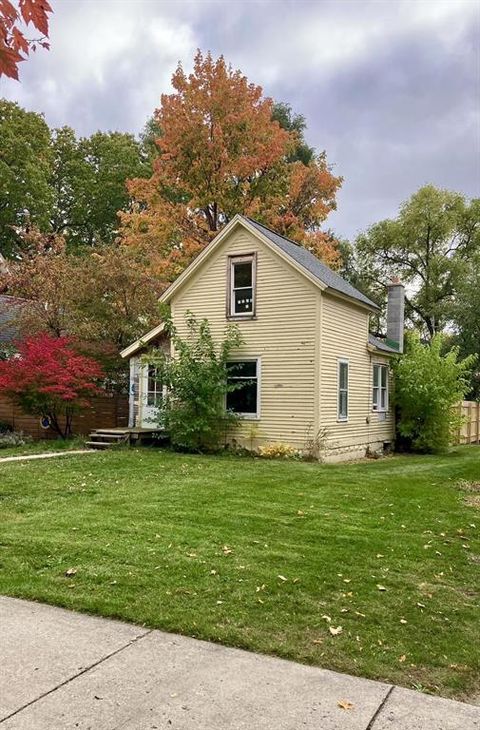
[{"x": 390, "y": 90}]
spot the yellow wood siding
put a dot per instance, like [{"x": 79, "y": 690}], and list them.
[
  {"x": 344, "y": 334},
  {"x": 284, "y": 335}
]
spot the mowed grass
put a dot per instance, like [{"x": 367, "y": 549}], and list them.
[
  {"x": 264, "y": 555},
  {"x": 43, "y": 447}
]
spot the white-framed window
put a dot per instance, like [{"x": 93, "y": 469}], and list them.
[
  {"x": 342, "y": 380},
  {"x": 154, "y": 387},
  {"x": 380, "y": 387},
  {"x": 244, "y": 400},
  {"x": 242, "y": 284}
]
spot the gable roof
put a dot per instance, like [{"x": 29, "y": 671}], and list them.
[
  {"x": 314, "y": 266},
  {"x": 143, "y": 341},
  {"x": 301, "y": 259}
]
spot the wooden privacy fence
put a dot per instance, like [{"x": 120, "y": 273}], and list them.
[
  {"x": 469, "y": 431},
  {"x": 106, "y": 411}
]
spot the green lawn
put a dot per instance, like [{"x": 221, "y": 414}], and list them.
[
  {"x": 265, "y": 555},
  {"x": 42, "y": 447}
]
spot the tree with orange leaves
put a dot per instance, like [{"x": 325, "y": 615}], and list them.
[
  {"x": 221, "y": 152},
  {"x": 14, "y": 45}
]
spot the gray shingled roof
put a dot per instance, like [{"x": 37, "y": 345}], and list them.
[
  {"x": 381, "y": 345},
  {"x": 9, "y": 311},
  {"x": 310, "y": 262}
]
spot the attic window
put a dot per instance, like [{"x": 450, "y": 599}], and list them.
[{"x": 241, "y": 294}]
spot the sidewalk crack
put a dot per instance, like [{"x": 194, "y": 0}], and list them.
[
  {"x": 78, "y": 674},
  {"x": 379, "y": 709}
]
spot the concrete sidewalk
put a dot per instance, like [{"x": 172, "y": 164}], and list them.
[
  {"x": 46, "y": 455},
  {"x": 62, "y": 670}
]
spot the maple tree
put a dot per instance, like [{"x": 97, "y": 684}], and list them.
[
  {"x": 14, "y": 44},
  {"x": 221, "y": 151},
  {"x": 48, "y": 377}
]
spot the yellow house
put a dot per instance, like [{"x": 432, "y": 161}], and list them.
[{"x": 314, "y": 376}]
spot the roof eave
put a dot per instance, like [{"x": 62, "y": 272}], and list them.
[
  {"x": 378, "y": 351},
  {"x": 142, "y": 341},
  {"x": 352, "y": 300}
]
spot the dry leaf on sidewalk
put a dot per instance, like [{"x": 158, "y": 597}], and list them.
[{"x": 345, "y": 704}]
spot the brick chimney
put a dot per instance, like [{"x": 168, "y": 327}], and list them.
[{"x": 395, "y": 314}]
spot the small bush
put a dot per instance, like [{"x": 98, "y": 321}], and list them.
[
  {"x": 428, "y": 384},
  {"x": 5, "y": 427},
  {"x": 193, "y": 412},
  {"x": 278, "y": 450},
  {"x": 13, "y": 438}
]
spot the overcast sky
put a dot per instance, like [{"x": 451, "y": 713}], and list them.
[{"x": 390, "y": 89}]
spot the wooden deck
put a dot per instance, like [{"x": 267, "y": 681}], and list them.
[{"x": 104, "y": 438}]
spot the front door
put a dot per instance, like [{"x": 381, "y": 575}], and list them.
[{"x": 151, "y": 400}]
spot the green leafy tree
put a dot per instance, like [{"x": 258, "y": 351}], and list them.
[
  {"x": 89, "y": 183},
  {"x": 428, "y": 384},
  {"x": 429, "y": 246},
  {"x": 193, "y": 411},
  {"x": 26, "y": 196},
  {"x": 466, "y": 319},
  {"x": 295, "y": 124}
]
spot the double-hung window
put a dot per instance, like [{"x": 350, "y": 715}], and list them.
[
  {"x": 342, "y": 380},
  {"x": 380, "y": 387},
  {"x": 154, "y": 387},
  {"x": 241, "y": 295},
  {"x": 243, "y": 396}
]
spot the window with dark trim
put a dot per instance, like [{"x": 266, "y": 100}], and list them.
[
  {"x": 380, "y": 387},
  {"x": 241, "y": 294},
  {"x": 244, "y": 399},
  {"x": 343, "y": 390}
]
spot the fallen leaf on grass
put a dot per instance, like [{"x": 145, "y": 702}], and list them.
[
  {"x": 327, "y": 618},
  {"x": 317, "y": 641},
  {"x": 402, "y": 658},
  {"x": 335, "y": 631},
  {"x": 282, "y": 577},
  {"x": 70, "y": 572},
  {"x": 345, "y": 705},
  {"x": 380, "y": 587}
]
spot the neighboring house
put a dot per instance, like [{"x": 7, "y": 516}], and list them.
[
  {"x": 310, "y": 367},
  {"x": 11, "y": 309}
]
